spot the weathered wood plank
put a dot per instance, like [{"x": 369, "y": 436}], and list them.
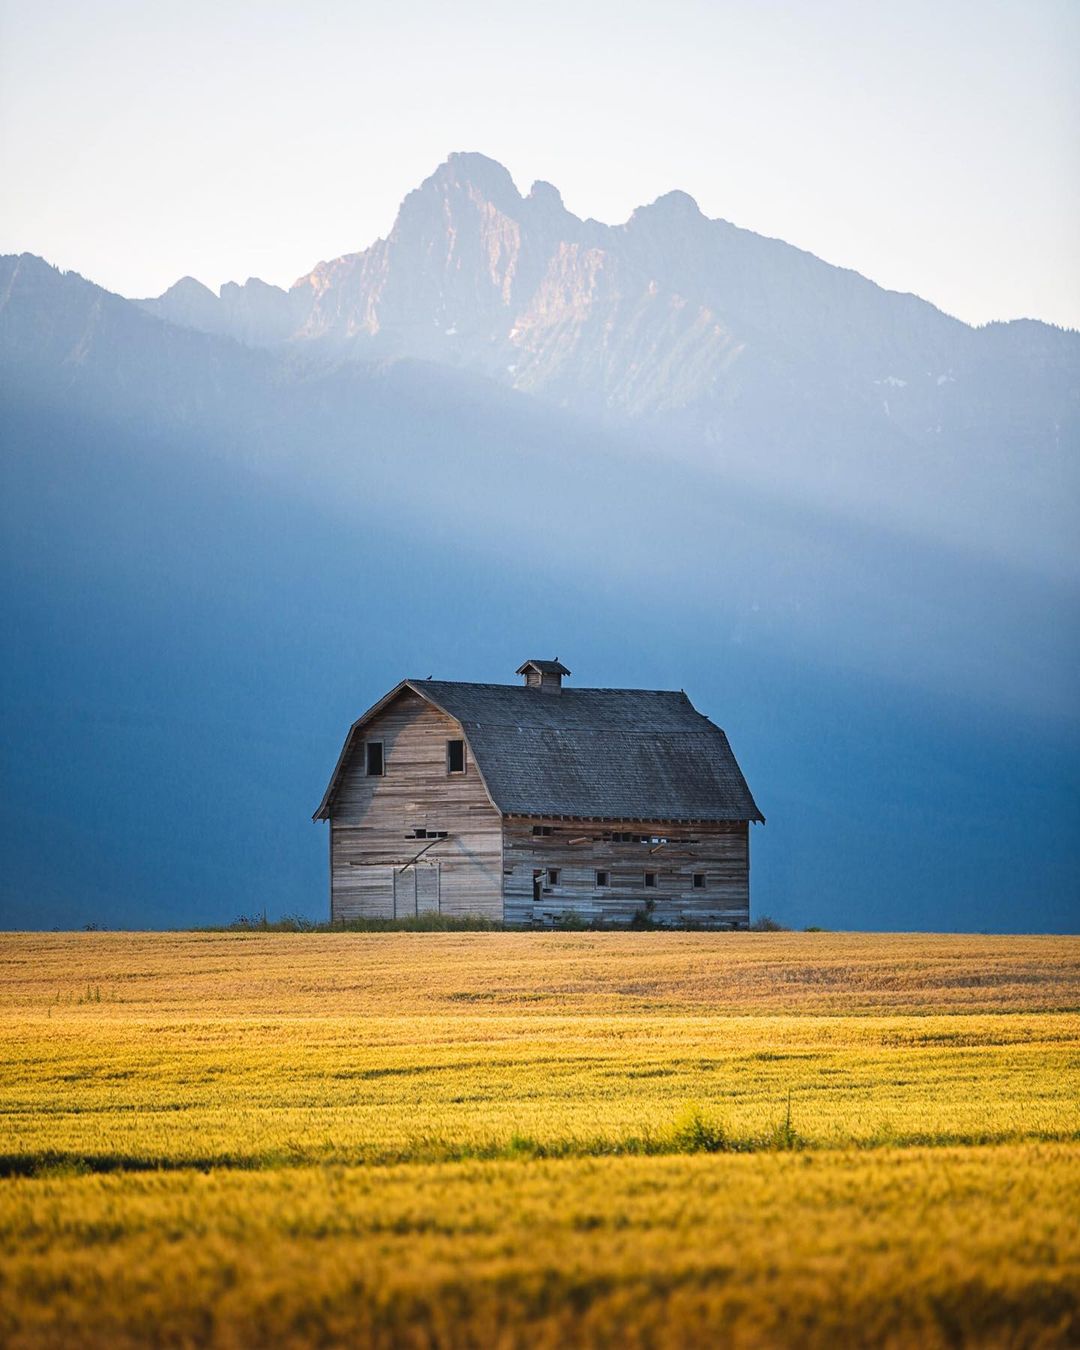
[{"x": 578, "y": 850}]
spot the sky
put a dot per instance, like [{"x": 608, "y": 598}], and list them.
[{"x": 934, "y": 147}]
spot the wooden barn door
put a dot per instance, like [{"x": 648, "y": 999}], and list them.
[
  {"x": 405, "y": 893},
  {"x": 427, "y": 888},
  {"x": 416, "y": 890}
]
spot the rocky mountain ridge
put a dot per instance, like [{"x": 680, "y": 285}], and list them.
[
  {"x": 474, "y": 273},
  {"x": 712, "y": 341}
]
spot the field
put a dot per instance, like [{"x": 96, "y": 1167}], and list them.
[{"x": 494, "y": 1139}]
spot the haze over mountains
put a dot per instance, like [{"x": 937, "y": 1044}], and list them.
[
  {"x": 672, "y": 451},
  {"x": 757, "y": 357}
]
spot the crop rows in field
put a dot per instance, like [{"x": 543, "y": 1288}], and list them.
[
  {"x": 274, "y": 1090},
  {"x": 503, "y": 1140},
  {"x": 246, "y": 974}
]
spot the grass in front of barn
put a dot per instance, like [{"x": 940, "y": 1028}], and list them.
[
  {"x": 928, "y": 1247},
  {"x": 492, "y": 1138}
]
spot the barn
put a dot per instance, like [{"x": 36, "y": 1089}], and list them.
[{"x": 528, "y": 802}]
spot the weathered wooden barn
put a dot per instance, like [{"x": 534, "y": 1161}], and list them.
[{"x": 528, "y": 802}]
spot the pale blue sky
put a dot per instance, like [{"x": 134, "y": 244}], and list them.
[{"x": 935, "y": 147}]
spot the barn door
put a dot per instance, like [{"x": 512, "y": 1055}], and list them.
[
  {"x": 427, "y": 888},
  {"x": 405, "y": 893},
  {"x": 416, "y": 890}
]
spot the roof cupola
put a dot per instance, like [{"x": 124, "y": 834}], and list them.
[{"x": 543, "y": 675}]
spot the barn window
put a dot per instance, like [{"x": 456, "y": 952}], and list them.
[
  {"x": 553, "y": 876},
  {"x": 699, "y": 881},
  {"x": 374, "y": 760},
  {"x": 455, "y": 756},
  {"x": 544, "y": 830},
  {"x": 650, "y": 881},
  {"x": 601, "y": 878}
]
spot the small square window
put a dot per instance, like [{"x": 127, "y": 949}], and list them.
[
  {"x": 553, "y": 876},
  {"x": 543, "y": 830},
  {"x": 699, "y": 881},
  {"x": 650, "y": 881},
  {"x": 455, "y": 756},
  {"x": 601, "y": 878},
  {"x": 374, "y": 761}
]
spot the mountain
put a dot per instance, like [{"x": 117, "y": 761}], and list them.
[
  {"x": 254, "y": 313},
  {"x": 215, "y": 550},
  {"x": 710, "y": 342}
]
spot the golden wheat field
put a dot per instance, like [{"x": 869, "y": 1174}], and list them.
[{"x": 497, "y": 1139}]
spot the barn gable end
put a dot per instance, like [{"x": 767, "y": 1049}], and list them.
[{"x": 387, "y": 859}]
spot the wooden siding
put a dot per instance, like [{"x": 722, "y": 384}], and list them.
[
  {"x": 372, "y": 821},
  {"x": 579, "y": 849}
]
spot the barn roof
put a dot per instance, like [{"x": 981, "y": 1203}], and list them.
[{"x": 616, "y": 754}]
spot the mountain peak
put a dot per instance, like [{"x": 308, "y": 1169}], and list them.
[
  {"x": 546, "y": 194},
  {"x": 673, "y": 205},
  {"x": 468, "y": 168},
  {"x": 188, "y": 288},
  {"x": 254, "y": 286},
  {"x": 187, "y": 302}
]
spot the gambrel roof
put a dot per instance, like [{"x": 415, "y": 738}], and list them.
[{"x": 602, "y": 754}]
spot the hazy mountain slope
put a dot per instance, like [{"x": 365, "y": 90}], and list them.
[
  {"x": 64, "y": 339},
  {"x": 488, "y": 466},
  {"x": 183, "y": 658},
  {"x": 254, "y": 313},
  {"x": 213, "y": 557},
  {"x": 714, "y": 343}
]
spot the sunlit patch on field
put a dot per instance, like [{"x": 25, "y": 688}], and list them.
[{"x": 619, "y": 1139}]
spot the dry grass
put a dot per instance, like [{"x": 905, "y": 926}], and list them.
[
  {"x": 404, "y": 1139},
  {"x": 907, "y": 1247},
  {"x": 352, "y": 975}
]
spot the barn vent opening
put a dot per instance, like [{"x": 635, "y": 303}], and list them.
[
  {"x": 374, "y": 761},
  {"x": 455, "y": 756}
]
